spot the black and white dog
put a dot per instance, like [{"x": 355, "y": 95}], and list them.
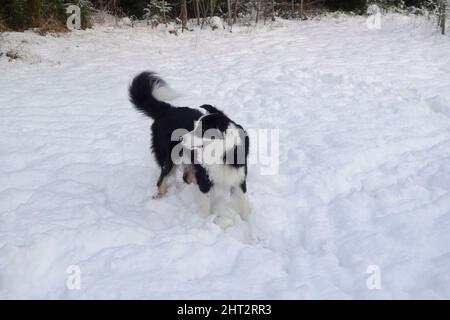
[{"x": 213, "y": 148}]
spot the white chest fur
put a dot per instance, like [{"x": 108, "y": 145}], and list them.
[{"x": 225, "y": 175}]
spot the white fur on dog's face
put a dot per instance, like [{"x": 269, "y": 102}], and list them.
[{"x": 212, "y": 142}]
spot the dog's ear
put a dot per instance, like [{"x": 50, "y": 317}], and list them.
[{"x": 210, "y": 108}]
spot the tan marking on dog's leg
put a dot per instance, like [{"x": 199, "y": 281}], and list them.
[
  {"x": 189, "y": 175},
  {"x": 162, "y": 188}
]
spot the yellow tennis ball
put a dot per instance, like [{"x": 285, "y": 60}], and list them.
[{"x": 224, "y": 222}]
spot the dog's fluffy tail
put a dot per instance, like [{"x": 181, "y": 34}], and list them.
[{"x": 147, "y": 92}]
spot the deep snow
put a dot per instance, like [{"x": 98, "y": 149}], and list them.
[{"x": 364, "y": 176}]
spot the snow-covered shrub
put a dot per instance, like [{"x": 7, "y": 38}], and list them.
[
  {"x": 86, "y": 11},
  {"x": 156, "y": 10},
  {"x": 247, "y": 14},
  {"x": 125, "y": 22},
  {"x": 216, "y": 23}
]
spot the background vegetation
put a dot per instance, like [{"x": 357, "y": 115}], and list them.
[{"x": 50, "y": 15}]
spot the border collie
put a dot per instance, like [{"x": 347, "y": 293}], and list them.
[{"x": 213, "y": 148}]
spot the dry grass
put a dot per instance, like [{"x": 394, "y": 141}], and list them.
[
  {"x": 51, "y": 26},
  {"x": 3, "y": 26},
  {"x": 87, "y": 24}
]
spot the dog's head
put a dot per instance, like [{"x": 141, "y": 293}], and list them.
[{"x": 214, "y": 134}]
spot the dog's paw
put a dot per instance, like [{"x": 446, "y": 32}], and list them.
[
  {"x": 245, "y": 215},
  {"x": 157, "y": 195},
  {"x": 244, "y": 211}
]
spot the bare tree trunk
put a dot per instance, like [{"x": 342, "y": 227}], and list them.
[
  {"x": 204, "y": 9},
  {"x": 443, "y": 16},
  {"x": 301, "y": 9},
  {"x": 197, "y": 11},
  {"x": 183, "y": 15},
  {"x": 265, "y": 10},
  {"x": 257, "y": 11},
  {"x": 164, "y": 12},
  {"x": 273, "y": 9},
  {"x": 236, "y": 8},
  {"x": 213, "y": 6},
  {"x": 229, "y": 13},
  {"x": 116, "y": 20}
]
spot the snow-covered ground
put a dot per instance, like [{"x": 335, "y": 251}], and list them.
[{"x": 364, "y": 175}]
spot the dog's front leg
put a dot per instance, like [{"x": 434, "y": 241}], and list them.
[
  {"x": 166, "y": 171},
  {"x": 205, "y": 187},
  {"x": 242, "y": 205},
  {"x": 205, "y": 203}
]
